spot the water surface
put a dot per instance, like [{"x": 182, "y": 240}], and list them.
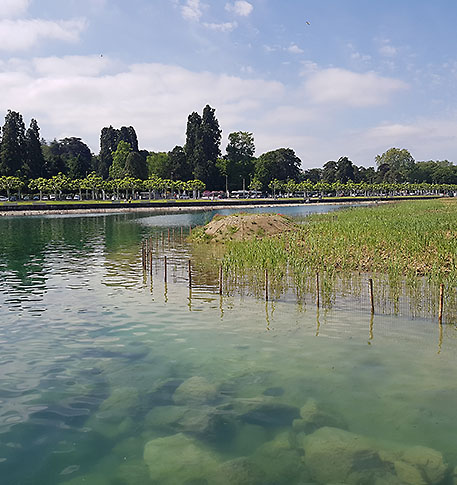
[{"x": 100, "y": 367}]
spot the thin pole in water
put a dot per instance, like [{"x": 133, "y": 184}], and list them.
[
  {"x": 190, "y": 273},
  {"x": 370, "y": 282},
  {"x": 266, "y": 284},
  {"x": 165, "y": 270},
  {"x": 440, "y": 311},
  {"x": 317, "y": 291},
  {"x": 220, "y": 279}
]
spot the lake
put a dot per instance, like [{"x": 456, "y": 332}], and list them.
[{"x": 109, "y": 377}]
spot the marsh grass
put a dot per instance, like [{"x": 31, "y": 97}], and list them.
[{"x": 408, "y": 248}]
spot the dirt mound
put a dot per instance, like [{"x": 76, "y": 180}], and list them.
[{"x": 238, "y": 227}]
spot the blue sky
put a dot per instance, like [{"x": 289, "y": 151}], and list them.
[{"x": 327, "y": 78}]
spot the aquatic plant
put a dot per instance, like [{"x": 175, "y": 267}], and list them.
[{"x": 410, "y": 248}]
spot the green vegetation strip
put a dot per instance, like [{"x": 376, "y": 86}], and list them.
[{"x": 402, "y": 240}]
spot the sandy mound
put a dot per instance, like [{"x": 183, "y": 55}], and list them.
[{"x": 246, "y": 226}]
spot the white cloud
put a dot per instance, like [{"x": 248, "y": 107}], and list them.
[
  {"x": 224, "y": 27},
  {"x": 343, "y": 87},
  {"x": 294, "y": 49},
  {"x": 75, "y": 96},
  {"x": 388, "y": 50},
  {"x": 192, "y": 10},
  {"x": 13, "y": 8},
  {"x": 18, "y": 35},
  {"x": 240, "y": 7}
]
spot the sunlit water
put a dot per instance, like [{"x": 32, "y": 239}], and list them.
[{"x": 107, "y": 377}]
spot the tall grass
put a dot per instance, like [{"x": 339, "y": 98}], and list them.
[{"x": 410, "y": 248}]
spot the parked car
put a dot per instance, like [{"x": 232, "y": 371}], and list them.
[
  {"x": 3, "y": 199},
  {"x": 76, "y": 197}
]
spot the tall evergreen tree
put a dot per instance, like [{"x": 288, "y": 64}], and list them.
[
  {"x": 34, "y": 159},
  {"x": 192, "y": 147},
  {"x": 135, "y": 166},
  {"x": 12, "y": 148},
  {"x": 108, "y": 144},
  {"x": 211, "y": 135},
  {"x": 178, "y": 164}
]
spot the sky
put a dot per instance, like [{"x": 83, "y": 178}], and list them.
[{"x": 327, "y": 78}]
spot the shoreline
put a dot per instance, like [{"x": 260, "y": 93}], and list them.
[{"x": 175, "y": 206}]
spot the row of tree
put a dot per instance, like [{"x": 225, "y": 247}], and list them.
[
  {"x": 24, "y": 155},
  {"x": 100, "y": 188}
]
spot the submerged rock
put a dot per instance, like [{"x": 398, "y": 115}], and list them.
[
  {"x": 241, "y": 471},
  {"x": 334, "y": 455},
  {"x": 314, "y": 417},
  {"x": 280, "y": 462},
  {"x": 119, "y": 404},
  {"x": 266, "y": 412},
  {"x": 178, "y": 459},
  {"x": 429, "y": 462},
  {"x": 195, "y": 390},
  {"x": 208, "y": 424}
]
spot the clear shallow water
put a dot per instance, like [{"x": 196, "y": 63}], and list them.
[{"x": 107, "y": 379}]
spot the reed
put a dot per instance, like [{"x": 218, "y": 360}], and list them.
[{"x": 409, "y": 248}]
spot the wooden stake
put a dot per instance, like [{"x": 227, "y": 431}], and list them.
[
  {"x": 220, "y": 280},
  {"x": 165, "y": 270},
  {"x": 168, "y": 235},
  {"x": 150, "y": 265},
  {"x": 190, "y": 273},
  {"x": 190, "y": 230},
  {"x": 181, "y": 233},
  {"x": 440, "y": 311},
  {"x": 317, "y": 291},
  {"x": 370, "y": 282},
  {"x": 266, "y": 284}
]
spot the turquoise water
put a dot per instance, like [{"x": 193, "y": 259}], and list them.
[{"x": 109, "y": 378}]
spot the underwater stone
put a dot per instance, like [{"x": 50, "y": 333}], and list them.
[
  {"x": 314, "y": 417},
  {"x": 207, "y": 423},
  {"x": 164, "y": 417},
  {"x": 334, "y": 455},
  {"x": 178, "y": 459},
  {"x": 133, "y": 472},
  {"x": 195, "y": 390},
  {"x": 280, "y": 462},
  {"x": 119, "y": 403},
  {"x": 273, "y": 391},
  {"x": 240, "y": 471},
  {"x": 268, "y": 413},
  {"x": 408, "y": 474},
  {"x": 428, "y": 461}
]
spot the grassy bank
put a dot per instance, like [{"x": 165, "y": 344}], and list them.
[{"x": 408, "y": 247}]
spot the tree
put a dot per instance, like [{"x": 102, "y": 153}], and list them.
[
  {"x": 34, "y": 159},
  {"x": 203, "y": 137},
  {"x": 12, "y": 148},
  {"x": 344, "y": 170},
  {"x": 108, "y": 145},
  {"x": 239, "y": 159},
  {"x": 109, "y": 141},
  {"x": 158, "y": 164},
  {"x": 117, "y": 169},
  {"x": 135, "y": 166},
  {"x": 329, "y": 172},
  {"x": 76, "y": 156},
  {"x": 280, "y": 164},
  {"x": 192, "y": 147},
  {"x": 396, "y": 164},
  {"x": 9, "y": 183},
  {"x": 53, "y": 161},
  {"x": 178, "y": 165}
]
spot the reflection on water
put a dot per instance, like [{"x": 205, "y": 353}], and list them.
[{"x": 109, "y": 376}]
